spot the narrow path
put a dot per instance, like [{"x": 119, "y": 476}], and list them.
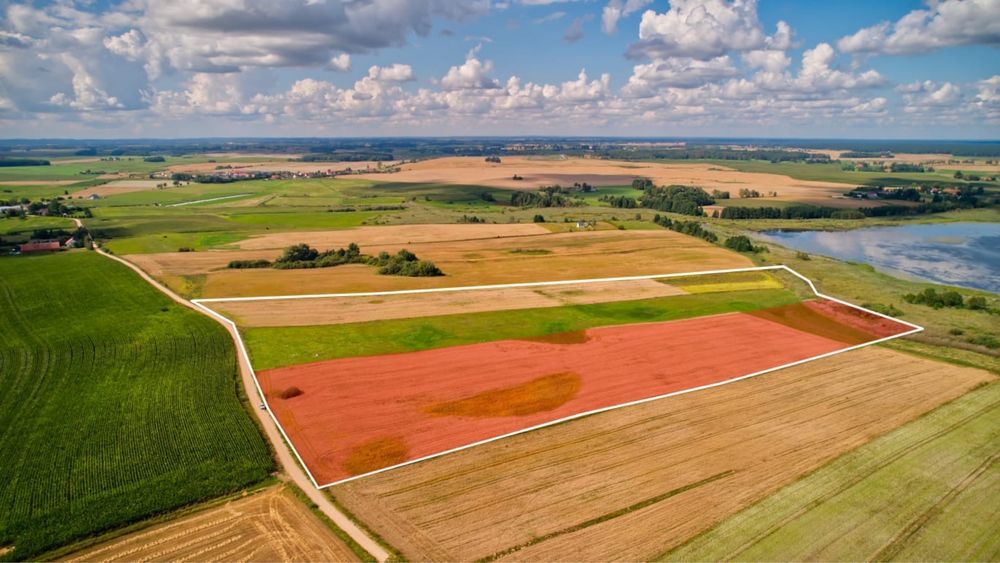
[{"x": 291, "y": 470}]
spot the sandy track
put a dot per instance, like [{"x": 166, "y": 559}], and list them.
[
  {"x": 539, "y": 172},
  {"x": 349, "y": 402},
  {"x": 270, "y": 525},
  {"x": 746, "y": 439},
  {"x": 306, "y": 312}
]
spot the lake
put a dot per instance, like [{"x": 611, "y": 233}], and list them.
[{"x": 963, "y": 254}]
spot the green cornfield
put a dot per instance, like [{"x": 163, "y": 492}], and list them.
[{"x": 117, "y": 404}]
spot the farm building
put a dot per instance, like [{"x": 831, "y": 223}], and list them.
[{"x": 40, "y": 246}]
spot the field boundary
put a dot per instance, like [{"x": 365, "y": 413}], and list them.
[{"x": 200, "y": 303}]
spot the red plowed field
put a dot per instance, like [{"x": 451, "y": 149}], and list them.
[{"x": 357, "y": 415}]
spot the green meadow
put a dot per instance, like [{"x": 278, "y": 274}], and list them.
[{"x": 274, "y": 347}]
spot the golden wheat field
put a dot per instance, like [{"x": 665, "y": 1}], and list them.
[{"x": 543, "y": 257}]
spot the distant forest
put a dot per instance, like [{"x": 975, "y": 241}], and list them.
[{"x": 389, "y": 148}]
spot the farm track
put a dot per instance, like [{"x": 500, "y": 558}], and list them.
[
  {"x": 769, "y": 430},
  {"x": 292, "y": 470}
]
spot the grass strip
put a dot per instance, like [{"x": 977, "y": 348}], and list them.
[
  {"x": 355, "y": 547},
  {"x": 609, "y": 516},
  {"x": 394, "y": 554},
  {"x": 272, "y": 347}
]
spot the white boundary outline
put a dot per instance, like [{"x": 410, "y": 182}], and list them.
[{"x": 243, "y": 350}]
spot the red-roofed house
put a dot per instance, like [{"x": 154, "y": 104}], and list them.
[{"x": 40, "y": 246}]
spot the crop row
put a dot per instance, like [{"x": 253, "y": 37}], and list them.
[{"x": 116, "y": 404}]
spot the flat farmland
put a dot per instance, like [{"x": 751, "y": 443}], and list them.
[
  {"x": 509, "y": 259},
  {"x": 633, "y": 483},
  {"x": 396, "y": 408},
  {"x": 924, "y": 492},
  {"x": 269, "y": 525},
  {"x": 537, "y": 172}
]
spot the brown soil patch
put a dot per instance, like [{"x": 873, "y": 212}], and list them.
[
  {"x": 688, "y": 462},
  {"x": 307, "y": 312},
  {"x": 538, "y": 395},
  {"x": 572, "y": 337},
  {"x": 864, "y": 321},
  {"x": 392, "y": 235},
  {"x": 121, "y": 187},
  {"x": 574, "y": 255},
  {"x": 827, "y": 320},
  {"x": 375, "y": 454},
  {"x": 540, "y": 172},
  {"x": 351, "y": 401},
  {"x": 270, "y": 525}
]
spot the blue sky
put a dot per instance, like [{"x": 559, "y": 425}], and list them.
[{"x": 904, "y": 69}]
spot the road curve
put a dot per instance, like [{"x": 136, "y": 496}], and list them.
[{"x": 291, "y": 469}]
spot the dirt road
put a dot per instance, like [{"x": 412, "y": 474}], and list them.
[{"x": 291, "y": 469}]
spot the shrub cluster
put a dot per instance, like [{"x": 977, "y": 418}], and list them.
[
  {"x": 249, "y": 264},
  {"x": 741, "y": 243},
  {"x": 950, "y": 298},
  {"x": 404, "y": 263},
  {"x": 692, "y": 228},
  {"x": 686, "y": 200},
  {"x": 621, "y": 201},
  {"x": 303, "y": 256}
]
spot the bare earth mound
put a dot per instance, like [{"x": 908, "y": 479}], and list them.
[
  {"x": 270, "y": 525},
  {"x": 350, "y": 401},
  {"x": 632, "y": 483}
]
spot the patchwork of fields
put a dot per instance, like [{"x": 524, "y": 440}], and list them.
[
  {"x": 634, "y": 483},
  {"x": 357, "y": 415},
  {"x": 469, "y": 260},
  {"x": 118, "y": 404}
]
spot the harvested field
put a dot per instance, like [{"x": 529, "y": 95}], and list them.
[
  {"x": 633, "y": 483},
  {"x": 739, "y": 281},
  {"x": 538, "y": 172},
  {"x": 270, "y": 525},
  {"x": 377, "y": 396},
  {"x": 924, "y": 492},
  {"x": 391, "y": 235},
  {"x": 576, "y": 255},
  {"x": 327, "y": 311}
]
